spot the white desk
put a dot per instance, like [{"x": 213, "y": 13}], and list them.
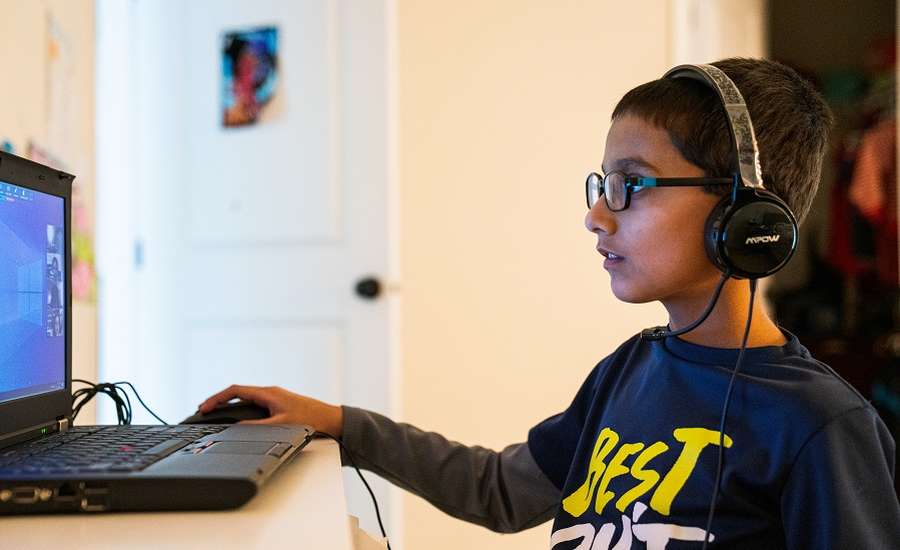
[{"x": 302, "y": 506}]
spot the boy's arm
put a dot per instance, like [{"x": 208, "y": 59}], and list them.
[
  {"x": 505, "y": 491},
  {"x": 840, "y": 492}
]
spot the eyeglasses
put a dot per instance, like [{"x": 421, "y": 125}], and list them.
[{"x": 617, "y": 187}]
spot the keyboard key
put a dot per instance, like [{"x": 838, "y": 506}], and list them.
[{"x": 167, "y": 447}]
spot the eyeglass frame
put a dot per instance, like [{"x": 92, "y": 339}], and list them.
[{"x": 632, "y": 181}]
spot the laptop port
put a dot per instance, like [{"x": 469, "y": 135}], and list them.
[
  {"x": 94, "y": 503},
  {"x": 25, "y": 495},
  {"x": 95, "y": 499},
  {"x": 66, "y": 492}
]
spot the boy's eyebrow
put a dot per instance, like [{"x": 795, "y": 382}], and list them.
[{"x": 629, "y": 163}]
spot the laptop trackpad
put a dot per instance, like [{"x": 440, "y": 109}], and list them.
[{"x": 240, "y": 447}]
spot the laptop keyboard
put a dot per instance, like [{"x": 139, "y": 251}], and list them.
[{"x": 100, "y": 449}]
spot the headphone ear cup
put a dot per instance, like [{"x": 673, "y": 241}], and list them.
[{"x": 752, "y": 236}]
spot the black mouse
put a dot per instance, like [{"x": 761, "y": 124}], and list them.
[{"x": 229, "y": 413}]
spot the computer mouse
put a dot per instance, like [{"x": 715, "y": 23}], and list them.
[{"x": 229, "y": 413}]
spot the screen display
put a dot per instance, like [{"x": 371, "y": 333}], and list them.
[{"x": 32, "y": 292}]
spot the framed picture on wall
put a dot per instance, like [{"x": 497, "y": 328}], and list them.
[{"x": 249, "y": 74}]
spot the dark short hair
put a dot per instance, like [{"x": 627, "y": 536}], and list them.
[{"x": 790, "y": 117}]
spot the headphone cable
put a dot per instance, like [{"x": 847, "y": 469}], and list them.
[
  {"x": 371, "y": 493},
  {"x": 721, "y": 461},
  {"x": 658, "y": 333}
]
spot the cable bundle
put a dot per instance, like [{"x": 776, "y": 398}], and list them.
[{"x": 116, "y": 392}]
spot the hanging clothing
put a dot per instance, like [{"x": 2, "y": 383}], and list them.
[
  {"x": 873, "y": 190},
  {"x": 849, "y": 249}
]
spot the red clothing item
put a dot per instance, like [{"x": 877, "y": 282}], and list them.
[
  {"x": 841, "y": 253},
  {"x": 873, "y": 190}
]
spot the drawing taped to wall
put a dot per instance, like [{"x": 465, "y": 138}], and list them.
[{"x": 249, "y": 74}]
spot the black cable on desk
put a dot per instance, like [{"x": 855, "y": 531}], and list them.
[{"x": 355, "y": 467}]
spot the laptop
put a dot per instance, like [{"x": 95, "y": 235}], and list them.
[{"x": 46, "y": 464}]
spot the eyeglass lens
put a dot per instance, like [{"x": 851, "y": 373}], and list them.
[
  {"x": 594, "y": 189},
  {"x": 612, "y": 186}
]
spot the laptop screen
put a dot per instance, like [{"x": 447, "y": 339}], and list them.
[{"x": 32, "y": 293}]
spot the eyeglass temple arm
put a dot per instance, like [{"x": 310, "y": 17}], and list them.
[{"x": 677, "y": 182}]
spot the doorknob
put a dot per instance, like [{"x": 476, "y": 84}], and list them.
[{"x": 368, "y": 288}]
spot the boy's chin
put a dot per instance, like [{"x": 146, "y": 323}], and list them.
[{"x": 632, "y": 295}]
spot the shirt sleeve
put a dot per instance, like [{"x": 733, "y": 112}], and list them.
[
  {"x": 504, "y": 491},
  {"x": 554, "y": 441},
  {"x": 840, "y": 492}
]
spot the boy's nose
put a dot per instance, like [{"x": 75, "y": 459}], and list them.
[{"x": 600, "y": 218}]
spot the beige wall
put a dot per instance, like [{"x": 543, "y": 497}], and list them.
[
  {"x": 24, "y": 117},
  {"x": 503, "y": 109}
]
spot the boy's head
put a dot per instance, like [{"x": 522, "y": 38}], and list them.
[
  {"x": 789, "y": 116},
  {"x": 678, "y": 128}
]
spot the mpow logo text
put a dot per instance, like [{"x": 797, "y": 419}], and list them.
[{"x": 763, "y": 239}]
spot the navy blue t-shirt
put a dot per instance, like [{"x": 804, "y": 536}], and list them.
[{"x": 808, "y": 462}]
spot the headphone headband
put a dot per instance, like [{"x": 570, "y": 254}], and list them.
[{"x": 738, "y": 117}]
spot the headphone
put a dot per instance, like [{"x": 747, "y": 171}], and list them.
[{"x": 750, "y": 233}]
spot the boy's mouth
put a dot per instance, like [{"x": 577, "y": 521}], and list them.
[
  {"x": 612, "y": 259},
  {"x": 609, "y": 255}
]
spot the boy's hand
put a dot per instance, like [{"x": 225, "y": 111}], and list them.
[{"x": 284, "y": 407}]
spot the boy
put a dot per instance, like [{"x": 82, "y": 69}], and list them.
[{"x": 632, "y": 463}]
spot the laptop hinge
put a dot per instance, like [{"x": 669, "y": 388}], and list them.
[{"x": 63, "y": 424}]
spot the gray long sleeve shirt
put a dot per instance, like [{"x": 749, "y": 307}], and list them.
[{"x": 504, "y": 491}]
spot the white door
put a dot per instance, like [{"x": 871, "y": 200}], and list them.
[{"x": 231, "y": 255}]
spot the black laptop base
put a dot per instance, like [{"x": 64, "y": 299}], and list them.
[{"x": 218, "y": 471}]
